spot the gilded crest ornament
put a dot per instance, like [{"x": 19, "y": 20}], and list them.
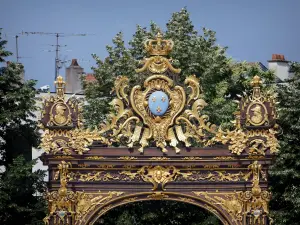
[
  {"x": 158, "y": 116},
  {"x": 159, "y": 111}
]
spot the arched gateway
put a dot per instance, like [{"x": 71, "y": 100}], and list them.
[{"x": 158, "y": 122}]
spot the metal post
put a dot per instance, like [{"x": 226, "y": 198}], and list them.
[
  {"x": 56, "y": 58},
  {"x": 17, "y": 49}
]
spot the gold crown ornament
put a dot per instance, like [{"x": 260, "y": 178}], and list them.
[{"x": 159, "y": 46}]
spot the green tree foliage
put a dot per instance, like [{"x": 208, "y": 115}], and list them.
[
  {"x": 17, "y": 137},
  {"x": 158, "y": 213},
  {"x": 19, "y": 201},
  {"x": 285, "y": 173},
  {"x": 17, "y": 100},
  {"x": 3, "y": 52}
]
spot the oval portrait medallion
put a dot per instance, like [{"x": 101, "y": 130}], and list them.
[{"x": 158, "y": 103}]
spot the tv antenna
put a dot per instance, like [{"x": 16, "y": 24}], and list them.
[
  {"x": 57, "y": 45},
  {"x": 16, "y": 36}
]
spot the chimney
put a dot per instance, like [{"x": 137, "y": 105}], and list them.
[
  {"x": 73, "y": 75},
  {"x": 74, "y": 62},
  {"x": 280, "y": 66}
]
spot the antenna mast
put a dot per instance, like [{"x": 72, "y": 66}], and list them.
[
  {"x": 17, "y": 48},
  {"x": 56, "y": 58},
  {"x": 57, "y": 46}
]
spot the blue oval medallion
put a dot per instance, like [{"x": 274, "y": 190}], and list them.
[{"x": 158, "y": 103}]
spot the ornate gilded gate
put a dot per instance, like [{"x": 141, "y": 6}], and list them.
[{"x": 155, "y": 127}]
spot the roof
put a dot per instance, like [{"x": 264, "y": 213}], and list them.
[
  {"x": 262, "y": 66},
  {"x": 90, "y": 77}
]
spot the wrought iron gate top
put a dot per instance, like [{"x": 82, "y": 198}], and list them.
[{"x": 157, "y": 127}]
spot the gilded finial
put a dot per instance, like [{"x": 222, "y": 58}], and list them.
[
  {"x": 159, "y": 46},
  {"x": 60, "y": 86},
  {"x": 256, "y": 81}
]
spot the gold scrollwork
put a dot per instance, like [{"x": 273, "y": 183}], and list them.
[
  {"x": 127, "y": 158},
  {"x": 156, "y": 175},
  {"x": 257, "y": 113},
  {"x": 127, "y": 200},
  {"x": 158, "y": 125},
  {"x": 211, "y": 166},
  {"x": 93, "y": 176},
  {"x": 159, "y": 175},
  {"x": 257, "y": 141},
  {"x": 64, "y": 157},
  {"x": 87, "y": 202},
  {"x": 105, "y": 166},
  {"x": 192, "y": 158},
  {"x": 83, "y": 165},
  {"x": 215, "y": 176},
  {"x": 253, "y": 203},
  {"x": 158, "y": 196},
  {"x": 224, "y": 158},
  {"x": 189, "y": 200},
  {"x": 229, "y": 202},
  {"x": 67, "y": 141},
  {"x": 159, "y": 158},
  {"x": 95, "y": 157},
  {"x": 157, "y": 64}
]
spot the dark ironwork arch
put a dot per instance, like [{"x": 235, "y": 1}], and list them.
[{"x": 98, "y": 213}]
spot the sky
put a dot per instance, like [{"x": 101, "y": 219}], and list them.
[{"x": 252, "y": 30}]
